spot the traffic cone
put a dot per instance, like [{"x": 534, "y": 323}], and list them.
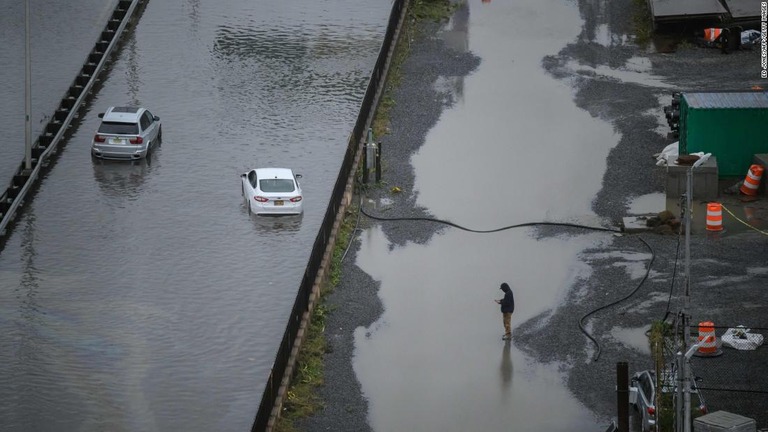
[
  {"x": 752, "y": 180},
  {"x": 714, "y": 217}
]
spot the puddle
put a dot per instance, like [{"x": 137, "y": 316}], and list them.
[
  {"x": 500, "y": 155},
  {"x": 434, "y": 360},
  {"x": 647, "y": 204},
  {"x": 627, "y": 74},
  {"x": 634, "y": 338}
]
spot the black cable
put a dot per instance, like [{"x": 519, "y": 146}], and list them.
[
  {"x": 674, "y": 272},
  {"x": 581, "y": 321},
  {"x": 527, "y": 224}
]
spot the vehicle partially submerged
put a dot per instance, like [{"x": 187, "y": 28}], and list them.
[{"x": 272, "y": 191}]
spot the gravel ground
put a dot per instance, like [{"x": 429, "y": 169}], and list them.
[{"x": 730, "y": 272}]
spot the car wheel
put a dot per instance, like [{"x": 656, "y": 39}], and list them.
[{"x": 160, "y": 136}]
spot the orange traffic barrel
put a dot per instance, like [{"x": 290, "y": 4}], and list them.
[
  {"x": 714, "y": 217},
  {"x": 707, "y": 338},
  {"x": 752, "y": 180}
]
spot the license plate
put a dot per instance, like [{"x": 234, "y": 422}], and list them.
[
  {"x": 117, "y": 141},
  {"x": 278, "y": 202}
]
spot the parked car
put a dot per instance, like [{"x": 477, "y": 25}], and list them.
[
  {"x": 272, "y": 191},
  {"x": 127, "y": 133},
  {"x": 642, "y": 396}
]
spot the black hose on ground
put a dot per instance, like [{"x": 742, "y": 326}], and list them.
[
  {"x": 527, "y": 224},
  {"x": 530, "y": 224},
  {"x": 581, "y": 321}
]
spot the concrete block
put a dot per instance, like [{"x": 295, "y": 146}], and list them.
[
  {"x": 723, "y": 421},
  {"x": 705, "y": 187},
  {"x": 636, "y": 224}
]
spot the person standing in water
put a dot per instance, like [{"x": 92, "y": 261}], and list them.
[{"x": 507, "y": 307}]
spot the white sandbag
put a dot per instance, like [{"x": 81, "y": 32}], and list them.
[{"x": 741, "y": 339}]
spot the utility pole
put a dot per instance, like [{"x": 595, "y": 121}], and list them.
[
  {"x": 27, "y": 92},
  {"x": 683, "y": 371}
]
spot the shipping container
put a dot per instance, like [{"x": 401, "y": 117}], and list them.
[{"x": 731, "y": 125}]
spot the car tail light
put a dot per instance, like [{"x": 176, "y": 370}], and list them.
[
  {"x": 137, "y": 140},
  {"x": 651, "y": 410},
  {"x": 703, "y": 409},
  {"x": 296, "y": 199},
  {"x": 260, "y": 199},
  {"x": 99, "y": 138}
]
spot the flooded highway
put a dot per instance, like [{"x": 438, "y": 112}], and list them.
[
  {"x": 514, "y": 147},
  {"x": 142, "y": 296}
]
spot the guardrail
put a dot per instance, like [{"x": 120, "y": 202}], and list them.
[
  {"x": 322, "y": 250},
  {"x": 13, "y": 197}
]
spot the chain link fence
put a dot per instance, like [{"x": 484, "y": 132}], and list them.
[{"x": 729, "y": 373}]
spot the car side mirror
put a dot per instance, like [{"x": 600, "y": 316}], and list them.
[
  {"x": 156, "y": 118},
  {"x": 242, "y": 175},
  {"x": 298, "y": 175},
  {"x": 101, "y": 115}
]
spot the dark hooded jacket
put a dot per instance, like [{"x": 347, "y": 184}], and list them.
[{"x": 508, "y": 302}]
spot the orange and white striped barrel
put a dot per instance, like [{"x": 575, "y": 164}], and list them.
[
  {"x": 752, "y": 180},
  {"x": 711, "y": 34},
  {"x": 707, "y": 338},
  {"x": 714, "y": 217}
]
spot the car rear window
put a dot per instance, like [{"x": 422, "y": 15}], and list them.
[
  {"x": 276, "y": 185},
  {"x": 119, "y": 128}
]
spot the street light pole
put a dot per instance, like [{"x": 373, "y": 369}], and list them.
[
  {"x": 27, "y": 92},
  {"x": 683, "y": 385}
]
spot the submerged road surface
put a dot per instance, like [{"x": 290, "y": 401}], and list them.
[{"x": 142, "y": 297}]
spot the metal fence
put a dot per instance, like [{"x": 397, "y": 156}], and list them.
[
  {"x": 729, "y": 379},
  {"x": 301, "y": 305}
]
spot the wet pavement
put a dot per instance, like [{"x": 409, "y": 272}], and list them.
[
  {"x": 142, "y": 296},
  {"x": 541, "y": 112}
]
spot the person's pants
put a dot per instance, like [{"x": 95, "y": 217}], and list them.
[{"x": 508, "y": 322}]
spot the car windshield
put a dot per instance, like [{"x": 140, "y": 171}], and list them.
[
  {"x": 276, "y": 185},
  {"x": 119, "y": 128}
]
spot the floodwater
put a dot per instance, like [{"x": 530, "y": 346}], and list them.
[
  {"x": 515, "y": 148},
  {"x": 58, "y": 48},
  {"x": 142, "y": 296}
]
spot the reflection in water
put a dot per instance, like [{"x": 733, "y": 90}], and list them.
[
  {"x": 456, "y": 37},
  {"x": 506, "y": 368},
  {"x": 194, "y": 15},
  {"x": 276, "y": 225},
  {"x": 122, "y": 179}
]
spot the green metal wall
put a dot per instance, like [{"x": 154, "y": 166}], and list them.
[{"x": 733, "y": 135}]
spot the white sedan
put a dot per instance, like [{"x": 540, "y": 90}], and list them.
[{"x": 272, "y": 191}]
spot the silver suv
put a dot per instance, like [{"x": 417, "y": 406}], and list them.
[
  {"x": 643, "y": 392},
  {"x": 128, "y": 133}
]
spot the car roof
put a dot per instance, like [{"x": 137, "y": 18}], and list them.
[
  {"x": 280, "y": 173},
  {"x": 123, "y": 114}
]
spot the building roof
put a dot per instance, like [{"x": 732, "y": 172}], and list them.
[{"x": 752, "y": 99}]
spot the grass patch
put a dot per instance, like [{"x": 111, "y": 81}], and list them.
[
  {"x": 432, "y": 10},
  {"x": 302, "y": 399},
  {"x": 420, "y": 10},
  {"x": 642, "y": 22}
]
